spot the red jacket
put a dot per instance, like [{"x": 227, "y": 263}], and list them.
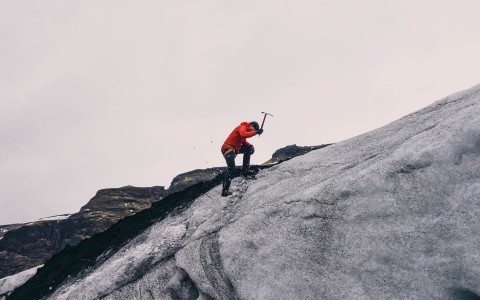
[{"x": 239, "y": 136}]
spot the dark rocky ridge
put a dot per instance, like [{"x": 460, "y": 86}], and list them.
[
  {"x": 24, "y": 246},
  {"x": 6, "y": 228}
]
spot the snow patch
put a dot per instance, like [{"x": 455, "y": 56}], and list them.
[
  {"x": 8, "y": 284},
  {"x": 55, "y": 218}
]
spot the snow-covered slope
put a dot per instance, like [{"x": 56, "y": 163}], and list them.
[{"x": 391, "y": 214}]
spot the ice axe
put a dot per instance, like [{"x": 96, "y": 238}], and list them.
[{"x": 264, "y": 117}]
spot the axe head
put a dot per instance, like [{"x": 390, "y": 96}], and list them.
[{"x": 264, "y": 117}]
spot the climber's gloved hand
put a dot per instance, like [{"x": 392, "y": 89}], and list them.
[{"x": 259, "y": 131}]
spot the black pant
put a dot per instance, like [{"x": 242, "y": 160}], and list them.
[{"x": 230, "y": 159}]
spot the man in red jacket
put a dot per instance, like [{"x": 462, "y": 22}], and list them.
[{"x": 237, "y": 143}]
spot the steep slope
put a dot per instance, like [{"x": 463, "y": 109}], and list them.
[
  {"x": 391, "y": 214},
  {"x": 29, "y": 245}
]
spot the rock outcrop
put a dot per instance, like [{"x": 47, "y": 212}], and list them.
[
  {"x": 186, "y": 180},
  {"x": 291, "y": 151}
]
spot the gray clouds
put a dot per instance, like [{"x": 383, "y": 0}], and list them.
[{"x": 105, "y": 94}]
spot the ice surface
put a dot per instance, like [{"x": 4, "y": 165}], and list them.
[{"x": 390, "y": 214}]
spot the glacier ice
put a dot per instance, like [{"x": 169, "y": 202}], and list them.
[{"x": 391, "y": 214}]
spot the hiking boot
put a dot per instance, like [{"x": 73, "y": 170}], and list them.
[
  {"x": 249, "y": 177},
  {"x": 226, "y": 193},
  {"x": 248, "y": 173}
]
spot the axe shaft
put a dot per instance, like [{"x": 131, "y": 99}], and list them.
[
  {"x": 263, "y": 122},
  {"x": 264, "y": 117}
]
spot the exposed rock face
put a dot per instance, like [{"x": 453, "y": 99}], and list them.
[
  {"x": 185, "y": 180},
  {"x": 24, "y": 246},
  {"x": 5, "y": 228},
  {"x": 291, "y": 151}
]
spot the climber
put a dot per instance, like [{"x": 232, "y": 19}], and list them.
[{"x": 237, "y": 143}]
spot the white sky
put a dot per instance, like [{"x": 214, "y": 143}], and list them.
[{"x": 100, "y": 94}]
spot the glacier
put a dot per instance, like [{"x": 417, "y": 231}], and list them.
[{"x": 391, "y": 214}]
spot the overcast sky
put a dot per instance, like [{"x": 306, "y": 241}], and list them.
[{"x": 102, "y": 94}]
